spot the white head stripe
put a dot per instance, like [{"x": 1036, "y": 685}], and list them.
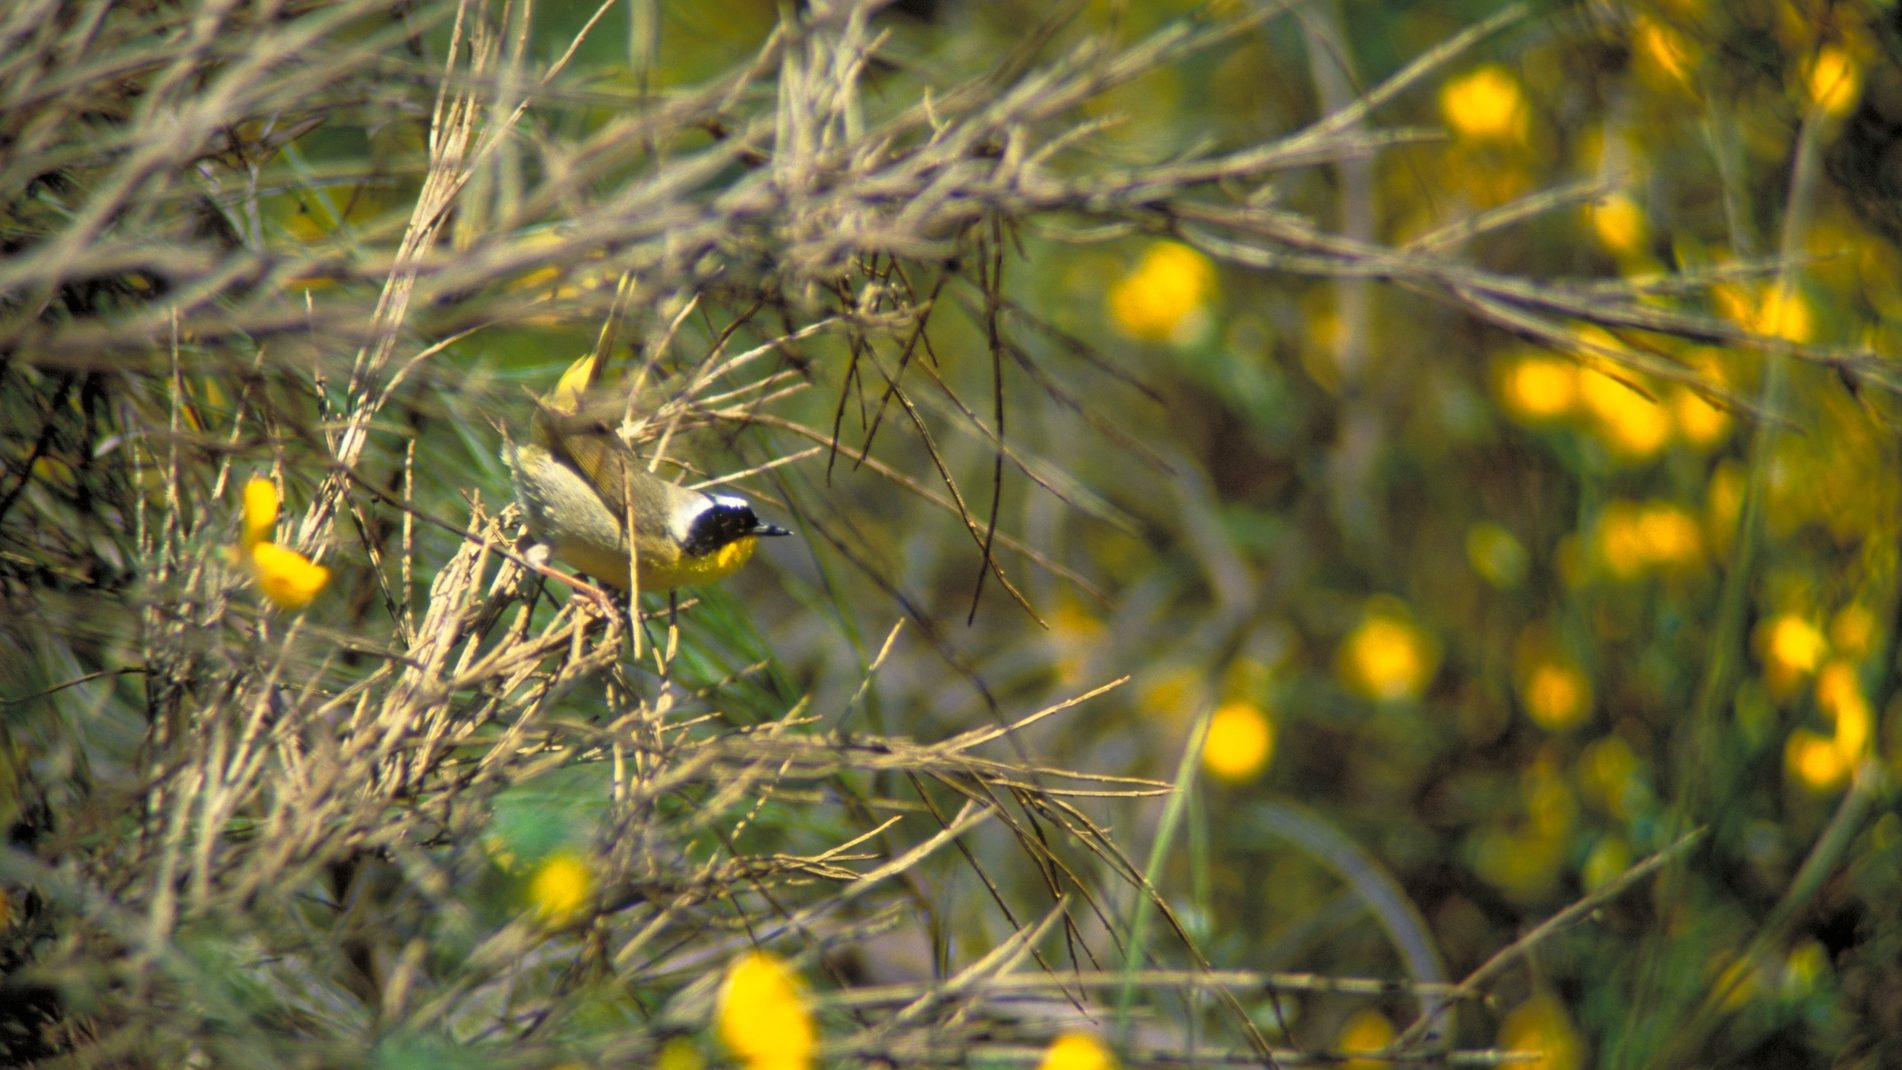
[
  {"x": 680, "y": 524},
  {"x": 683, "y": 520}
]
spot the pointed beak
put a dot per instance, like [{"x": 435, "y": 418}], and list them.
[{"x": 770, "y": 529}]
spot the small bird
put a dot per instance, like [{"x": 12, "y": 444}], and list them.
[{"x": 579, "y": 487}]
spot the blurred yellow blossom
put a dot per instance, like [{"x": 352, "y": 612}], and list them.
[
  {"x": 1791, "y": 648},
  {"x": 1669, "y": 535},
  {"x": 1824, "y": 761},
  {"x": 763, "y": 1017},
  {"x": 1485, "y": 105},
  {"x": 1541, "y": 1025},
  {"x": 1165, "y": 297},
  {"x": 289, "y": 579},
  {"x": 560, "y": 887},
  {"x": 1665, "y": 57},
  {"x": 1387, "y": 656},
  {"x": 1833, "y": 80},
  {"x": 1699, "y": 422},
  {"x": 1815, "y": 761},
  {"x": 1556, "y": 693},
  {"x": 1077, "y": 1051},
  {"x": 1365, "y": 1032},
  {"x": 1633, "y": 425},
  {"x": 1839, "y": 694},
  {"x": 260, "y": 510},
  {"x": 1634, "y": 539},
  {"x": 1619, "y": 224},
  {"x": 1783, "y": 313},
  {"x": 1240, "y": 741},
  {"x": 1538, "y": 388},
  {"x": 286, "y": 577}
]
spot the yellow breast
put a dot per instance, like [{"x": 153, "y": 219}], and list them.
[{"x": 659, "y": 575}]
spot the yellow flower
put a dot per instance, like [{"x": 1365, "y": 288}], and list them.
[
  {"x": 561, "y": 887},
  {"x": 1698, "y": 421},
  {"x": 1541, "y": 1025},
  {"x": 1840, "y": 695},
  {"x": 1669, "y": 535},
  {"x": 1537, "y": 388},
  {"x": 1665, "y": 56},
  {"x": 1077, "y": 1051},
  {"x": 1634, "y": 539},
  {"x": 1784, "y": 313},
  {"x": 1635, "y": 426},
  {"x": 763, "y": 1017},
  {"x": 1164, "y": 298},
  {"x": 1240, "y": 741},
  {"x": 1815, "y": 760},
  {"x": 1833, "y": 80},
  {"x": 1792, "y": 644},
  {"x": 260, "y": 510},
  {"x": 1387, "y": 656},
  {"x": 289, "y": 579},
  {"x": 1619, "y": 224},
  {"x": 1556, "y": 693},
  {"x": 1365, "y": 1032},
  {"x": 1486, "y": 105}
]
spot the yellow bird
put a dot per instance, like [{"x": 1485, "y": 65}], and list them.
[{"x": 580, "y": 487}]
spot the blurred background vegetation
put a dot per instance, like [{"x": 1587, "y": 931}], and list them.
[{"x": 1452, "y": 446}]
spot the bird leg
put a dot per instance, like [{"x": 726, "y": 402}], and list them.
[{"x": 537, "y": 559}]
